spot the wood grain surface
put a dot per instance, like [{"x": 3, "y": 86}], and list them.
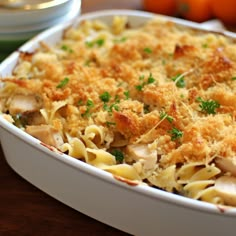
[{"x": 27, "y": 211}]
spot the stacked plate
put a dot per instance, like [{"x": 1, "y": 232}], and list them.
[{"x": 20, "y": 20}]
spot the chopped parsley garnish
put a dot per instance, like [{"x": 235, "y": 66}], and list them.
[
  {"x": 143, "y": 83},
  {"x": 150, "y": 79},
  {"x": 87, "y": 62},
  {"x": 118, "y": 155},
  {"x": 141, "y": 77},
  {"x": 139, "y": 87},
  {"x": 89, "y": 106},
  {"x": 109, "y": 108},
  {"x": 120, "y": 40},
  {"x": 105, "y": 97},
  {"x": 233, "y": 78},
  {"x": 109, "y": 123},
  {"x": 147, "y": 50},
  {"x": 127, "y": 95},
  {"x": 66, "y": 48},
  {"x": 117, "y": 99},
  {"x": 80, "y": 103},
  {"x": 63, "y": 83},
  {"x": 89, "y": 44},
  {"x": 175, "y": 134},
  {"x": 208, "y": 106},
  {"x": 179, "y": 80},
  {"x": 164, "y": 115},
  {"x": 98, "y": 42}
]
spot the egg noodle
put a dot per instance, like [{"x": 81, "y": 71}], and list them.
[{"x": 153, "y": 104}]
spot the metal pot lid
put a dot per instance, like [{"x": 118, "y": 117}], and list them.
[{"x": 30, "y": 4}]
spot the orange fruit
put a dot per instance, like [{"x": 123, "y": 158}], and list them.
[
  {"x": 225, "y": 11},
  {"x": 195, "y": 10},
  {"x": 164, "y": 7}
]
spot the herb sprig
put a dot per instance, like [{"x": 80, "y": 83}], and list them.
[
  {"x": 63, "y": 82},
  {"x": 66, "y": 48},
  {"x": 179, "y": 81},
  {"x": 118, "y": 155},
  {"x": 208, "y": 106},
  {"x": 98, "y": 42},
  {"x": 143, "y": 83},
  {"x": 89, "y": 106},
  {"x": 175, "y": 133},
  {"x": 164, "y": 115},
  {"x": 106, "y": 97},
  {"x": 147, "y": 50}
]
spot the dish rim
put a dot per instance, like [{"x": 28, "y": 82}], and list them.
[{"x": 148, "y": 191}]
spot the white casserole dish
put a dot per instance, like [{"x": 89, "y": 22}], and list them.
[{"x": 138, "y": 210}]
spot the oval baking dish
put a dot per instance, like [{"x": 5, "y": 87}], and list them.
[{"x": 134, "y": 208}]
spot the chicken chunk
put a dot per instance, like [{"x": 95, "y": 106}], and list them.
[
  {"x": 227, "y": 165},
  {"x": 143, "y": 152},
  {"x": 21, "y": 103},
  {"x": 226, "y": 188},
  {"x": 46, "y": 133}
]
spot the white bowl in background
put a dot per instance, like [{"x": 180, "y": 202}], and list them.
[
  {"x": 13, "y": 36},
  {"x": 138, "y": 210},
  {"x": 31, "y": 14}
]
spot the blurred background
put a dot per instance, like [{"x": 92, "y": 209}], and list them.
[{"x": 193, "y": 10}]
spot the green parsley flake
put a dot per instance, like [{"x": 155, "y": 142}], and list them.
[
  {"x": 89, "y": 106},
  {"x": 87, "y": 62},
  {"x": 98, "y": 42},
  {"x": 164, "y": 115},
  {"x": 66, "y": 48},
  {"x": 89, "y": 44},
  {"x": 120, "y": 40},
  {"x": 63, "y": 83},
  {"x": 80, "y": 102},
  {"x": 109, "y": 108},
  {"x": 127, "y": 95},
  {"x": 109, "y": 123},
  {"x": 147, "y": 50},
  {"x": 150, "y": 79},
  {"x": 143, "y": 83},
  {"x": 139, "y": 87},
  {"x": 208, "y": 106},
  {"x": 118, "y": 155},
  {"x": 179, "y": 81},
  {"x": 175, "y": 134},
  {"x": 105, "y": 97}
]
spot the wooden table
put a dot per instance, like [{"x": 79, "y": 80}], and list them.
[{"x": 27, "y": 211}]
